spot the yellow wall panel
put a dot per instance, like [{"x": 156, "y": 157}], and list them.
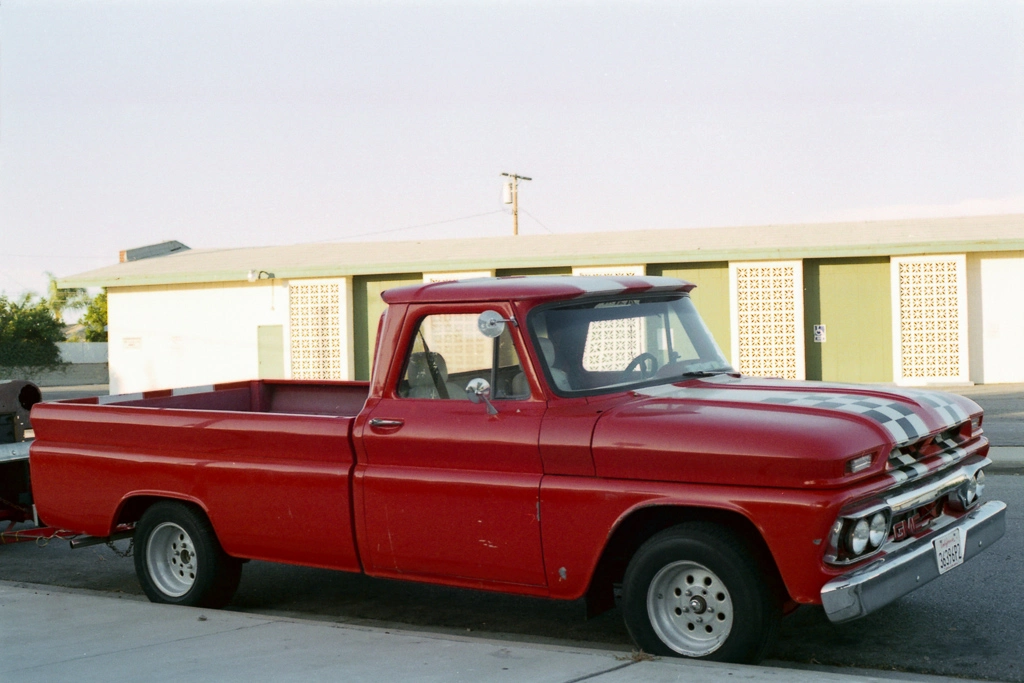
[
  {"x": 852, "y": 298},
  {"x": 367, "y": 309},
  {"x": 711, "y": 297}
]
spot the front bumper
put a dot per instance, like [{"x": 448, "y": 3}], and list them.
[{"x": 889, "y": 578}]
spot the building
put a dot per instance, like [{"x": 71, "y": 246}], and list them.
[{"x": 931, "y": 301}]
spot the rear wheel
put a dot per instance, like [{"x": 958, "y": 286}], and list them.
[
  {"x": 178, "y": 559},
  {"x": 696, "y": 590}
]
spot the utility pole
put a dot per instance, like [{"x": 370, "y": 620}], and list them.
[{"x": 515, "y": 199}]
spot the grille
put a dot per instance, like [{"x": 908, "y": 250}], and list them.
[
  {"x": 916, "y": 522},
  {"x": 929, "y": 454}
]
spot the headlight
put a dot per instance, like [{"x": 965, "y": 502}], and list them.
[
  {"x": 857, "y": 537},
  {"x": 878, "y": 530},
  {"x": 979, "y": 483}
]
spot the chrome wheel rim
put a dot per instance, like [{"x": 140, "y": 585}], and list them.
[
  {"x": 171, "y": 558},
  {"x": 690, "y": 608}
]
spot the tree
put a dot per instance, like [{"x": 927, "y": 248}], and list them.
[
  {"x": 59, "y": 300},
  {"x": 95, "y": 318},
  {"x": 29, "y": 333}
]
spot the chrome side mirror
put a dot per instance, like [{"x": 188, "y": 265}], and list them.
[
  {"x": 491, "y": 324},
  {"x": 479, "y": 390}
]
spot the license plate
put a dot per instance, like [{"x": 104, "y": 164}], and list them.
[{"x": 949, "y": 550}]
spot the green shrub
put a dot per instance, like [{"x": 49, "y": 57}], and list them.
[{"x": 29, "y": 333}]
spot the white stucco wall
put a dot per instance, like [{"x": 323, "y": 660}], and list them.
[
  {"x": 187, "y": 335},
  {"x": 996, "y": 284}
]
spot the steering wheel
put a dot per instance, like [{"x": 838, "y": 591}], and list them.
[{"x": 646, "y": 363}]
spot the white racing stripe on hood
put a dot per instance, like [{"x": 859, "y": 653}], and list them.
[
  {"x": 951, "y": 412},
  {"x": 903, "y": 424}
]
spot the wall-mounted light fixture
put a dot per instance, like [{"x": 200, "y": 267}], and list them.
[{"x": 255, "y": 275}]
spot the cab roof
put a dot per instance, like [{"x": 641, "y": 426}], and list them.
[{"x": 532, "y": 288}]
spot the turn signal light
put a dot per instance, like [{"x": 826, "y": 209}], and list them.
[
  {"x": 969, "y": 493},
  {"x": 858, "y": 464}
]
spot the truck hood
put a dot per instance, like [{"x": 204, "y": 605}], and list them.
[{"x": 759, "y": 432}]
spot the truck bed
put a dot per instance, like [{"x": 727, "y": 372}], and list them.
[
  {"x": 292, "y": 397},
  {"x": 269, "y": 462}
]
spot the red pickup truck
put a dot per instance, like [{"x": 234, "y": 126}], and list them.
[{"x": 560, "y": 437}]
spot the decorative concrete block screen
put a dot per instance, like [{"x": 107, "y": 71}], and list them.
[
  {"x": 315, "y": 326},
  {"x": 612, "y": 344},
  {"x": 930, "y": 320},
  {"x": 461, "y": 340},
  {"x": 767, "y": 318},
  {"x": 457, "y": 334}
]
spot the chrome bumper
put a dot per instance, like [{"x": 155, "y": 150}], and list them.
[{"x": 889, "y": 578}]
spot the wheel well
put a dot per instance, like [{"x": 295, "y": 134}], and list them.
[
  {"x": 132, "y": 509},
  {"x": 640, "y": 525}
]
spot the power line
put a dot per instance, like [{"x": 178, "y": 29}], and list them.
[
  {"x": 538, "y": 222},
  {"x": 16, "y": 281},
  {"x": 411, "y": 227},
  {"x": 79, "y": 257}
]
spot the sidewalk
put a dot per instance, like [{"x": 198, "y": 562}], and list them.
[
  {"x": 54, "y": 634},
  {"x": 1006, "y": 459}
]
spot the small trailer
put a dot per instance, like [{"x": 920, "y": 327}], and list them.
[
  {"x": 15, "y": 493},
  {"x": 16, "y": 400},
  {"x": 16, "y": 435}
]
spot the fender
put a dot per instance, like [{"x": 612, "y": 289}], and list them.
[{"x": 580, "y": 517}]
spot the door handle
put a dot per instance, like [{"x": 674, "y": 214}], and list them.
[{"x": 385, "y": 423}]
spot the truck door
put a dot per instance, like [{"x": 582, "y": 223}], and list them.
[{"x": 450, "y": 489}]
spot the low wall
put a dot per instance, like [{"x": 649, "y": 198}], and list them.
[
  {"x": 74, "y": 374},
  {"x": 85, "y": 363},
  {"x": 83, "y": 352}
]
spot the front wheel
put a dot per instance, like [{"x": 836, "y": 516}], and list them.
[
  {"x": 696, "y": 590},
  {"x": 178, "y": 559}
]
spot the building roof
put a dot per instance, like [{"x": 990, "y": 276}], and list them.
[
  {"x": 749, "y": 243},
  {"x": 531, "y": 288}
]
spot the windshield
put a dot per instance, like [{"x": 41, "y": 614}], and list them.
[{"x": 611, "y": 345}]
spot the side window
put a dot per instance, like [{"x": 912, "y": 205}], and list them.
[{"x": 448, "y": 351}]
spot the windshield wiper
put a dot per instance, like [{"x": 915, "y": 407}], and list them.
[{"x": 705, "y": 373}]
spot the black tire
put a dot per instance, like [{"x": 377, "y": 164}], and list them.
[
  {"x": 178, "y": 558},
  {"x": 696, "y": 590}
]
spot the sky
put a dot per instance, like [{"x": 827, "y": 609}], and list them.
[{"x": 235, "y": 123}]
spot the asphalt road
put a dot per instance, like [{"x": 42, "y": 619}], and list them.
[
  {"x": 1004, "y": 410},
  {"x": 966, "y": 623}
]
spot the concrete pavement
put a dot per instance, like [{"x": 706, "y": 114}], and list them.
[
  {"x": 54, "y": 634},
  {"x": 1006, "y": 459}
]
